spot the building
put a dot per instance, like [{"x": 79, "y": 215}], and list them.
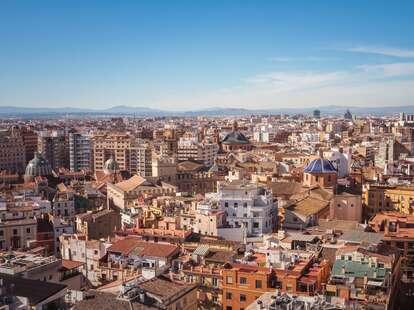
[
  {"x": 248, "y": 210},
  {"x": 29, "y": 137},
  {"x": 378, "y": 198},
  {"x": 98, "y": 224},
  {"x": 32, "y": 294},
  {"x": 17, "y": 234},
  {"x": 190, "y": 148},
  {"x": 389, "y": 151},
  {"x": 12, "y": 151},
  {"x": 398, "y": 235},
  {"x": 316, "y": 114},
  {"x": 243, "y": 284},
  {"x": 365, "y": 277},
  {"x": 320, "y": 172},
  {"x": 156, "y": 293},
  {"x": 116, "y": 145},
  {"x": 236, "y": 141},
  {"x": 54, "y": 146},
  {"x": 141, "y": 160},
  {"x": 125, "y": 193},
  {"x": 38, "y": 166},
  {"x": 64, "y": 205},
  {"x": 80, "y": 151}
]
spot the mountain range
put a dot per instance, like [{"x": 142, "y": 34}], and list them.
[{"x": 121, "y": 110}]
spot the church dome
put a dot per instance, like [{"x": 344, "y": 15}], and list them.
[
  {"x": 320, "y": 166},
  {"x": 111, "y": 166},
  {"x": 38, "y": 166},
  {"x": 235, "y": 137}
]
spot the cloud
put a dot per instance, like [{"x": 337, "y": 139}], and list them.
[
  {"x": 286, "y": 81},
  {"x": 306, "y": 58},
  {"x": 387, "y": 51},
  {"x": 364, "y": 85},
  {"x": 402, "y": 69}
]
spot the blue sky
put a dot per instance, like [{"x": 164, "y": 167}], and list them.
[{"x": 182, "y": 55}]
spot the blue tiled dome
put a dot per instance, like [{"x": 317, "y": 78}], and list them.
[{"x": 320, "y": 166}]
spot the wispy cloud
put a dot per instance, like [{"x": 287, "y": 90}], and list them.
[
  {"x": 287, "y": 81},
  {"x": 387, "y": 51},
  {"x": 305, "y": 58},
  {"x": 401, "y": 69}
]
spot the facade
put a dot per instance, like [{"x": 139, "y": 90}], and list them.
[
  {"x": 54, "y": 146},
  {"x": 249, "y": 211},
  {"x": 64, "y": 205},
  {"x": 125, "y": 193},
  {"x": 99, "y": 224},
  {"x": 378, "y": 198},
  {"x": 141, "y": 160},
  {"x": 190, "y": 148},
  {"x": 17, "y": 234},
  {"x": 12, "y": 151},
  {"x": 243, "y": 284},
  {"x": 116, "y": 145},
  {"x": 80, "y": 151}
]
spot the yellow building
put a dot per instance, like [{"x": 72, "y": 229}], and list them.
[{"x": 388, "y": 198}]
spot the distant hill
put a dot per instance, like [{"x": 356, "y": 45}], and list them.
[{"x": 216, "y": 111}]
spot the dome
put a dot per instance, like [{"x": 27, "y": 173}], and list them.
[
  {"x": 320, "y": 166},
  {"x": 38, "y": 166},
  {"x": 111, "y": 166},
  {"x": 235, "y": 137}
]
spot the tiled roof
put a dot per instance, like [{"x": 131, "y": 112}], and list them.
[
  {"x": 131, "y": 183},
  {"x": 320, "y": 166},
  {"x": 142, "y": 248}
]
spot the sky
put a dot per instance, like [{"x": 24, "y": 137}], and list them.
[{"x": 190, "y": 55}]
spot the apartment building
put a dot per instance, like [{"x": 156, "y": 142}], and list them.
[
  {"x": 249, "y": 211},
  {"x": 80, "y": 151},
  {"x": 190, "y": 148},
  {"x": 12, "y": 151},
  {"x": 54, "y": 147}
]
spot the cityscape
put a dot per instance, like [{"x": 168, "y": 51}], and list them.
[{"x": 136, "y": 176}]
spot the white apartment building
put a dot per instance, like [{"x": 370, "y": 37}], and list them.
[
  {"x": 249, "y": 211},
  {"x": 80, "y": 151}
]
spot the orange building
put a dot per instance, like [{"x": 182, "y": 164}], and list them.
[{"x": 243, "y": 284}]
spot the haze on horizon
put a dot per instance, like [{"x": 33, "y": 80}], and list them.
[{"x": 186, "y": 55}]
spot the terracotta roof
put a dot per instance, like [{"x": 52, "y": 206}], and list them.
[
  {"x": 71, "y": 264},
  {"x": 142, "y": 248},
  {"x": 131, "y": 183}
]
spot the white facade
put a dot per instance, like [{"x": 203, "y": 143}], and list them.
[
  {"x": 250, "y": 210},
  {"x": 80, "y": 151}
]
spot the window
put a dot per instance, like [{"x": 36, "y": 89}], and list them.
[
  {"x": 229, "y": 296},
  {"x": 242, "y": 297},
  {"x": 226, "y": 204},
  {"x": 245, "y": 205},
  {"x": 28, "y": 230},
  {"x": 1, "y": 233},
  {"x": 14, "y": 231},
  {"x": 258, "y": 283},
  {"x": 229, "y": 280},
  {"x": 243, "y": 280},
  {"x": 255, "y": 225},
  {"x": 215, "y": 282},
  {"x": 229, "y": 308},
  {"x": 236, "y": 205}
]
